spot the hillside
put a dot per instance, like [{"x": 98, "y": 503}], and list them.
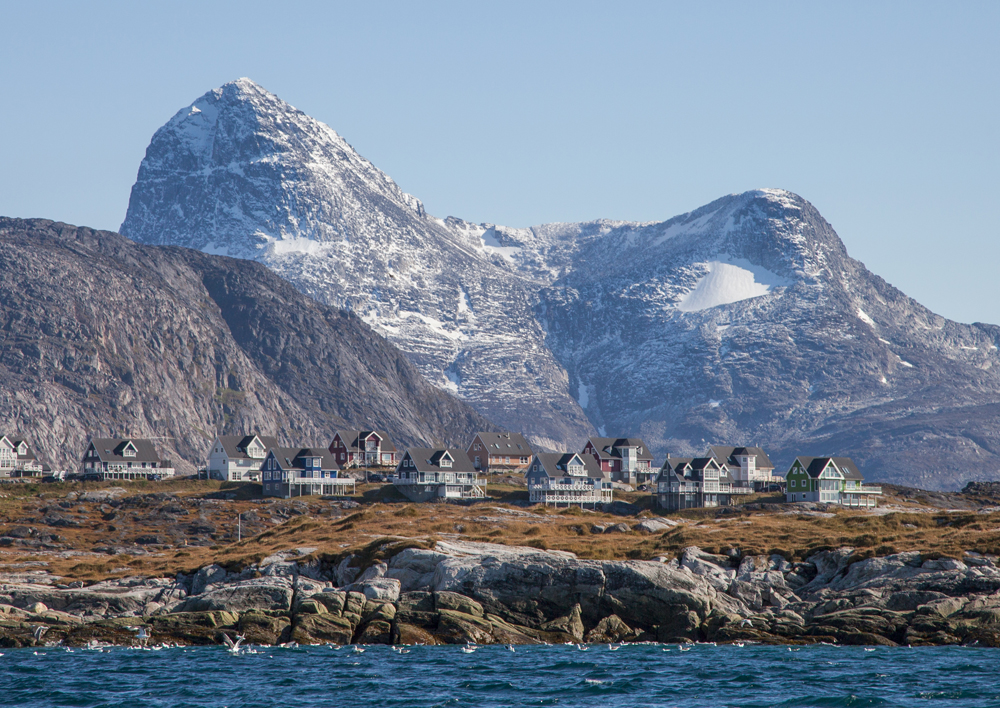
[{"x": 101, "y": 335}]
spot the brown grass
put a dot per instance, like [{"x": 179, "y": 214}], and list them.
[{"x": 384, "y": 526}]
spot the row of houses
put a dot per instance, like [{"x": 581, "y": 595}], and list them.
[{"x": 423, "y": 474}]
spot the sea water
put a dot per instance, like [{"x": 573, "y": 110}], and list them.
[{"x": 634, "y": 675}]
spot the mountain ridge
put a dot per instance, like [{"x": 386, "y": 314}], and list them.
[{"x": 744, "y": 320}]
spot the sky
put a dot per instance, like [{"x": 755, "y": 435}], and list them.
[{"x": 884, "y": 115}]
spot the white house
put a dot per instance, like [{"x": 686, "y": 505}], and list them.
[
  {"x": 8, "y": 457},
  {"x": 749, "y": 466},
  {"x": 567, "y": 478},
  {"x": 237, "y": 458},
  {"x": 124, "y": 459}
]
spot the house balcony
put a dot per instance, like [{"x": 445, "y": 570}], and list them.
[
  {"x": 554, "y": 495},
  {"x": 863, "y": 489},
  {"x": 561, "y": 487}
]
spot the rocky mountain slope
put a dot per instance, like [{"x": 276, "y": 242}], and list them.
[
  {"x": 99, "y": 334},
  {"x": 744, "y": 321},
  {"x": 243, "y": 173}
]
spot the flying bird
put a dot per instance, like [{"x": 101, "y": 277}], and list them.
[
  {"x": 39, "y": 632},
  {"x": 234, "y": 647}
]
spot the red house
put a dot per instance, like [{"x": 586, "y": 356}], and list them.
[
  {"x": 625, "y": 459},
  {"x": 494, "y": 453},
  {"x": 363, "y": 448}
]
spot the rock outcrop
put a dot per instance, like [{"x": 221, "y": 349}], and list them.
[{"x": 483, "y": 593}]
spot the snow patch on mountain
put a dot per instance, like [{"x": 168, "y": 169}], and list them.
[
  {"x": 863, "y": 316},
  {"x": 727, "y": 282}
]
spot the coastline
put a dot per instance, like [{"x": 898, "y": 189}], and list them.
[{"x": 477, "y": 593}]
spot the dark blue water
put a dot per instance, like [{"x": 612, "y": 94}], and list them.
[{"x": 493, "y": 676}]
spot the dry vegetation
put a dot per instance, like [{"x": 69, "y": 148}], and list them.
[{"x": 179, "y": 526}]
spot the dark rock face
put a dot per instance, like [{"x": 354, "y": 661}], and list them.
[{"x": 98, "y": 334}]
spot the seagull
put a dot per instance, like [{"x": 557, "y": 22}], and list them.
[
  {"x": 871, "y": 649},
  {"x": 739, "y": 644},
  {"x": 468, "y": 649},
  {"x": 684, "y": 648},
  {"x": 234, "y": 647},
  {"x": 404, "y": 651},
  {"x": 510, "y": 648},
  {"x": 143, "y": 636},
  {"x": 794, "y": 648},
  {"x": 612, "y": 647},
  {"x": 582, "y": 648},
  {"x": 358, "y": 650},
  {"x": 746, "y": 623},
  {"x": 39, "y": 632}
]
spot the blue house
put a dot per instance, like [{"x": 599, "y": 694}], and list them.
[{"x": 302, "y": 471}]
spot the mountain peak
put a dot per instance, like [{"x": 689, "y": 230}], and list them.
[{"x": 240, "y": 169}]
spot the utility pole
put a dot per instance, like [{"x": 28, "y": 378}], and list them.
[{"x": 239, "y": 527}]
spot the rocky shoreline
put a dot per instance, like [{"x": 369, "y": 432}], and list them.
[{"x": 458, "y": 593}]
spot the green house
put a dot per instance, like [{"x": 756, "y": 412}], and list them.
[{"x": 831, "y": 480}]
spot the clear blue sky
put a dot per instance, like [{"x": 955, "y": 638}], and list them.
[{"x": 884, "y": 115}]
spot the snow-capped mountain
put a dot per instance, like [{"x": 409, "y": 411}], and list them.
[
  {"x": 242, "y": 173},
  {"x": 744, "y": 321}
]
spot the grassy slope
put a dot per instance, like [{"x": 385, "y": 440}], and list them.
[{"x": 184, "y": 528}]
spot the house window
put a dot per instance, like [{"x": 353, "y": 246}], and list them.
[
  {"x": 793, "y": 484},
  {"x": 445, "y": 463}
]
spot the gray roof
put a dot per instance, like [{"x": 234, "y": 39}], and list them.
[
  {"x": 554, "y": 464},
  {"x": 16, "y": 442},
  {"x": 690, "y": 468},
  {"x": 236, "y": 445},
  {"x": 111, "y": 449},
  {"x": 352, "y": 439},
  {"x": 290, "y": 458},
  {"x": 814, "y": 466},
  {"x": 672, "y": 466},
  {"x": 427, "y": 459},
  {"x": 506, "y": 443},
  {"x": 728, "y": 455},
  {"x": 601, "y": 443}
]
